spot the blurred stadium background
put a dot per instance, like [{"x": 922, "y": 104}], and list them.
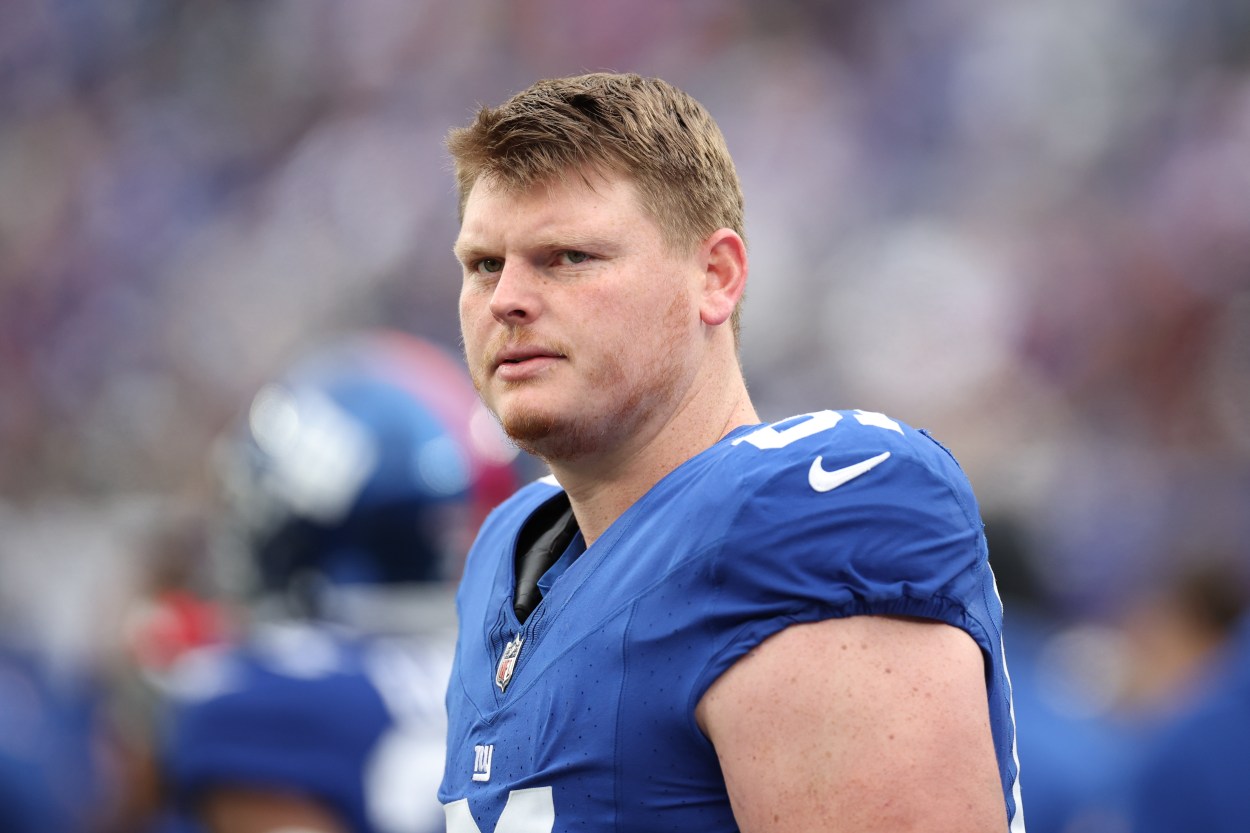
[{"x": 1025, "y": 227}]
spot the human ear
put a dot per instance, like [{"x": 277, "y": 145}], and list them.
[{"x": 724, "y": 276}]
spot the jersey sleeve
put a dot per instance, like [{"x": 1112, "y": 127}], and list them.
[{"x": 899, "y": 536}]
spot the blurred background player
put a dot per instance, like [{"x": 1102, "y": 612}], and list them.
[
  {"x": 1193, "y": 768},
  {"x": 50, "y": 772},
  {"x": 351, "y": 491}
]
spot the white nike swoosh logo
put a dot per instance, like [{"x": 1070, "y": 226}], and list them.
[{"x": 824, "y": 481}]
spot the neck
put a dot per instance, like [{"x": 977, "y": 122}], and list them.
[{"x": 601, "y": 487}]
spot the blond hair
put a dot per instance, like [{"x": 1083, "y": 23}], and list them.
[{"x": 659, "y": 137}]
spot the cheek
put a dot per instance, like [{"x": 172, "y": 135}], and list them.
[{"x": 470, "y": 315}]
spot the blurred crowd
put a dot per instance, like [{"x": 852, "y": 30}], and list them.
[{"x": 1025, "y": 227}]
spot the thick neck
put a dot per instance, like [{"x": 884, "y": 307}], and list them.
[{"x": 603, "y": 486}]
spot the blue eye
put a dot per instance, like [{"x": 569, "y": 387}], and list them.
[{"x": 575, "y": 257}]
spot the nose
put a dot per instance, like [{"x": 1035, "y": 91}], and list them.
[{"x": 516, "y": 299}]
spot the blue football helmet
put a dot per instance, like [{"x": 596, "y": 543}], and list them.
[{"x": 369, "y": 462}]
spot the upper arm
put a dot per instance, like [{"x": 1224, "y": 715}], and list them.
[{"x": 863, "y": 724}]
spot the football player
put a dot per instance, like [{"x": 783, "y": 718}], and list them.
[
  {"x": 352, "y": 487},
  {"x": 700, "y": 622},
  {"x": 1192, "y": 769},
  {"x": 51, "y": 730}
]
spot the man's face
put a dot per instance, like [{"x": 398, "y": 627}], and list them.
[{"x": 581, "y": 325}]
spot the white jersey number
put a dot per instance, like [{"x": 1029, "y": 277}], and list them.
[
  {"x": 527, "y": 811},
  {"x": 769, "y": 437}
]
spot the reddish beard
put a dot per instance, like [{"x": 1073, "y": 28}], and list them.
[
  {"x": 573, "y": 436},
  {"x": 578, "y": 433}
]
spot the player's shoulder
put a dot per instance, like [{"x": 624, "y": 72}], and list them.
[
  {"x": 855, "y": 508},
  {"x": 831, "y": 441},
  {"x": 818, "y": 470}
]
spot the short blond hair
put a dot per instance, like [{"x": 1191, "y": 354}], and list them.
[{"x": 646, "y": 129}]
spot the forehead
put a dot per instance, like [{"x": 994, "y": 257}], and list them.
[{"x": 590, "y": 203}]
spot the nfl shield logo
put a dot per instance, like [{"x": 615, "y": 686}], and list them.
[{"x": 507, "y": 663}]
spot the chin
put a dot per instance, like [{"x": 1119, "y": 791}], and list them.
[
  {"x": 528, "y": 425},
  {"x": 552, "y": 437}
]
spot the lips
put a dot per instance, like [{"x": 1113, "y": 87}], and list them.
[
  {"x": 521, "y": 354},
  {"x": 518, "y": 363}
]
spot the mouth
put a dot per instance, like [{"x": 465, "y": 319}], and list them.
[
  {"x": 521, "y": 355},
  {"x": 524, "y": 362}
]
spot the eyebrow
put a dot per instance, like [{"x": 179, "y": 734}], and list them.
[
  {"x": 577, "y": 242},
  {"x": 466, "y": 252}
]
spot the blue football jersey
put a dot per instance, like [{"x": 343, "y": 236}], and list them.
[
  {"x": 583, "y": 717},
  {"x": 355, "y": 722}
]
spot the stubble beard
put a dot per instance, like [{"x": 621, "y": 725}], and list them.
[{"x": 580, "y": 432}]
